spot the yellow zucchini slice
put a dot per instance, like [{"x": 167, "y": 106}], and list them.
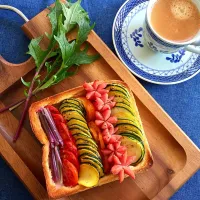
[
  {"x": 84, "y": 140},
  {"x": 77, "y": 121},
  {"x": 88, "y": 175},
  {"x": 94, "y": 163},
  {"x": 89, "y": 151}
]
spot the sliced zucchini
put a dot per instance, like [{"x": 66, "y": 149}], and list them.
[
  {"x": 79, "y": 120},
  {"x": 135, "y": 147},
  {"x": 87, "y": 146},
  {"x": 88, "y": 151},
  {"x": 122, "y": 100},
  {"x": 69, "y": 105},
  {"x": 133, "y": 121},
  {"x": 118, "y": 87},
  {"x": 134, "y": 135},
  {"x": 88, "y": 175},
  {"x": 78, "y": 126},
  {"x": 122, "y": 87},
  {"x": 78, "y": 134},
  {"x": 94, "y": 163},
  {"x": 82, "y": 146},
  {"x": 117, "y": 93},
  {"x": 124, "y": 108},
  {"x": 74, "y": 101},
  {"x": 85, "y": 140},
  {"x": 73, "y": 121},
  {"x": 80, "y": 129},
  {"x": 90, "y": 156},
  {"x": 75, "y": 116},
  {"x": 96, "y": 159},
  {"x": 120, "y": 112},
  {"x": 123, "y": 127},
  {"x": 72, "y": 114},
  {"x": 71, "y": 109},
  {"x": 90, "y": 148}
]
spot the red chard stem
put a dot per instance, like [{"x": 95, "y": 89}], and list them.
[
  {"x": 28, "y": 98},
  {"x": 12, "y": 105}
]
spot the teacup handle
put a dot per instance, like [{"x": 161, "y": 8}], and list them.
[{"x": 194, "y": 47}]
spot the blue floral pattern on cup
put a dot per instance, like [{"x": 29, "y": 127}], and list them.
[
  {"x": 152, "y": 46},
  {"x": 176, "y": 57},
  {"x": 136, "y": 35}
]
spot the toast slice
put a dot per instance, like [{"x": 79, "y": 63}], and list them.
[{"x": 58, "y": 191}]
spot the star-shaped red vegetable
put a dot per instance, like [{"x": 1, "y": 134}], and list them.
[
  {"x": 122, "y": 167},
  {"x": 94, "y": 90},
  {"x": 111, "y": 130},
  {"x": 113, "y": 150},
  {"x": 104, "y": 120},
  {"x": 111, "y": 139},
  {"x": 109, "y": 135},
  {"x": 104, "y": 102}
]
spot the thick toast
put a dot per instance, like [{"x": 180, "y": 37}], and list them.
[{"x": 55, "y": 190}]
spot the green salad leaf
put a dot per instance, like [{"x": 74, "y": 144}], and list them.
[
  {"x": 36, "y": 52},
  {"x": 62, "y": 58}
]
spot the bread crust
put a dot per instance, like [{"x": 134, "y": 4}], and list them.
[{"x": 58, "y": 191}]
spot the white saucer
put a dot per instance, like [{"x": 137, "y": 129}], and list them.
[{"x": 148, "y": 65}]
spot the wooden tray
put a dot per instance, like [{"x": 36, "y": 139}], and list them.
[{"x": 176, "y": 158}]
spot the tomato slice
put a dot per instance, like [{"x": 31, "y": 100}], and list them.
[
  {"x": 70, "y": 146},
  {"x": 71, "y": 158},
  {"x": 68, "y": 153},
  {"x": 52, "y": 109},
  {"x": 63, "y": 130},
  {"x": 58, "y": 118},
  {"x": 70, "y": 174}
]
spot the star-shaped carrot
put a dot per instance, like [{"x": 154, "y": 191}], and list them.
[{"x": 122, "y": 166}]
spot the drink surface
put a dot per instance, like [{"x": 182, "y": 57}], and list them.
[{"x": 176, "y": 20}]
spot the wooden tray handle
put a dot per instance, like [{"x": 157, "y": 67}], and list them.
[{"x": 10, "y": 73}]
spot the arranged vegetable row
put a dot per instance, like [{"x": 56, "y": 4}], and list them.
[
  {"x": 66, "y": 170},
  {"x": 108, "y": 99},
  {"x": 128, "y": 124},
  {"x": 93, "y": 135},
  {"x": 91, "y": 168}
]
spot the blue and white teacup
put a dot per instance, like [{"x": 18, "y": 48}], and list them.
[{"x": 159, "y": 44}]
